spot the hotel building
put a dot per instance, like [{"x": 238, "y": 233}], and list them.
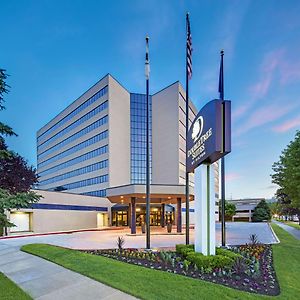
[{"x": 96, "y": 149}]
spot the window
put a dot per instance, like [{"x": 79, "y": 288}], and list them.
[
  {"x": 81, "y": 107},
  {"x": 76, "y": 160},
  {"x": 77, "y": 172},
  {"x": 83, "y": 183},
  {"x": 91, "y": 141},
  {"x": 73, "y": 125},
  {"x": 78, "y": 134},
  {"x": 138, "y": 137}
]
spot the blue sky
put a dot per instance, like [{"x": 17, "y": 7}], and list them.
[{"x": 55, "y": 50}]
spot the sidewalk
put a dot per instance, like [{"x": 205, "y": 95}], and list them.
[
  {"x": 293, "y": 231},
  {"x": 44, "y": 280}
]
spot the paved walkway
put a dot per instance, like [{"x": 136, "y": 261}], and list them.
[
  {"x": 293, "y": 231},
  {"x": 44, "y": 280},
  {"x": 236, "y": 234}
]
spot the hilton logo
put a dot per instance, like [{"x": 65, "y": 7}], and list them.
[{"x": 197, "y": 128}]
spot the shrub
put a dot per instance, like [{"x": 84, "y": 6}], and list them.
[
  {"x": 239, "y": 266},
  {"x": 227, "y": 253},
  {"x": 120, "y": 242},
  {"x": 253, "y": 238},
  {"x": 184, "y": 250},
  {"x": 261, "y": 212},
  {"x": 210, "y": 261}
]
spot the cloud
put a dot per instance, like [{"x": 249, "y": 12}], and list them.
[
  {"x": 290, "y": 72},
  {"x": 232, "y": 176},
  {"x": 264, "y": 115},
  {"x": 289, "y": 124}
]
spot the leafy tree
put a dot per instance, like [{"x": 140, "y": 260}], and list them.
[
  {"x": 261, "y": 212},
  {"x": 230, "y": 209},
  {"x": 10, "y": 201},
  {"x": 16, "y": 175},
  {"x": 287, "y": 176},
  {"x": 5, "y": 130}
]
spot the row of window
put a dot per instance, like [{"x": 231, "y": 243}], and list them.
[
  {"x": 138, "y": 136},
  {"x": 78, "y": 109},
  {"x": 73, "y": 125},
  {"x": 76, "y": 160},
  {"x": 140, "y": 125},
  {"x": 87, "y": 169},
  {"x": 83, "y": 183},
  {"x": 99, "y": 193},
  {"x": 79, "y": 134},
  {"x": 91, "y": 141}
]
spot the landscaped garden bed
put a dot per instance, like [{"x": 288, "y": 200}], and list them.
[{"x": 246, "y": 267}]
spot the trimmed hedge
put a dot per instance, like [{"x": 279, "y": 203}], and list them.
[
  {"x": 209, "y": 261},
  {"x": 184, "y": 250},
  {"x": 223, "y": 257}
]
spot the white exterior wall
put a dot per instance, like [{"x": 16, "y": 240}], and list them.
[
  {"x": 165, "y": 142},
  {"x": 119, "y": 134},
  {"x": 168, "y": 130},
  {"x": 50, "y": 220},
  {"x": 92, "y": 91}
]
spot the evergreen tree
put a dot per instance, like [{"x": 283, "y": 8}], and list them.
[
  {"x": 16, "y": 176},
  {"x": 5, "y": 130},
  {"x": 262, "y": 212}
]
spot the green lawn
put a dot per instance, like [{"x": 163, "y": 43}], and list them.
[
  {"x": 152, "y": 284},
  {"x": 10, "y": 291},
  {"x": 293, "y": 224}
]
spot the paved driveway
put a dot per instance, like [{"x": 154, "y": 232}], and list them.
[{"x": 237, "y": 233}]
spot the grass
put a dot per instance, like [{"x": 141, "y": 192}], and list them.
[
  {"x": 290, "y": 223},
  {"x": 152, "y": 284},
  {"x": 10, "y": 291}
]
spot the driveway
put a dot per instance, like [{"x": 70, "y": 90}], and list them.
[{"x": 237, "y": 233}]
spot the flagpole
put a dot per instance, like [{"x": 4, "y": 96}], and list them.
[
  {"x": 187, "y": 191},
  {"x": 221, "y": 92},
  {"x": 147, "y": 73}
]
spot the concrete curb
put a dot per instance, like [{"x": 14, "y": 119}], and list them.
[
  {"x": 58, "y": 232},
  {"x": 275, "y": 235}
]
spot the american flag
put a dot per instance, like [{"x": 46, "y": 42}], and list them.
[{"x": 189, "y": 48}]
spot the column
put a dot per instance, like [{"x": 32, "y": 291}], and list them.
[
  {"x": 179, "y": 218},
  {"x": 205, "y": 240},
  {"x": 133, "y": 216},
  {"x": 129, "y": 215},
  {"x": 162, "y": 217}
]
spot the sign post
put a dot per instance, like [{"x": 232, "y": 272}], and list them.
[{"x": 208, "y": 140}]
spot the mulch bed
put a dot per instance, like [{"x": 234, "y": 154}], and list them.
[{"x": 259, "y": 276}]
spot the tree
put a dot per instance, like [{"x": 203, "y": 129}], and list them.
[
  {"x": 10, "y": 201},
  {"x": 16, "y": 175},
  {"x": 5, "y": 130},
  {"x": 262, "y": 212},
  {"x": 230, "y": 209},
  {"x": 287, "y": 176}
]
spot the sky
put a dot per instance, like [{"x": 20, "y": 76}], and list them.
[{"x": 55, "y": 50}]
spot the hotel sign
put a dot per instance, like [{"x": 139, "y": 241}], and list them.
[{"x": 209, "y": 137}]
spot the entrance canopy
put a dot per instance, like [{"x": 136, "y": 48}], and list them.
[{"x": 159, "y": 193}]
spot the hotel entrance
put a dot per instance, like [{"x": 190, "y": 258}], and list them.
[{"x": 120, "y": 215}]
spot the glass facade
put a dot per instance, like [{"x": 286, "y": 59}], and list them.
[
  {"x": 76, "y": 160},
  {"x": 78, "y": 134},
  {"x": 138, "y": 134},
  {"x": 72, "y": 114},
  {"x": 98, "y": 193},
  {"x": 82, "y": 183},
  {"x": 54, "y": 145},
  {"x": 73, "y": 125},
  {"x": 87, "y": 169},
  {"x": 82, "y": 145}
]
